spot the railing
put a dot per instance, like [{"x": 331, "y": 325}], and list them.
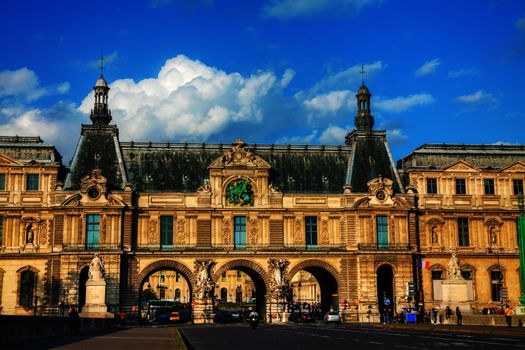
[
  {"x": 242, "y": 247},
  {"x": 389, "y": 247},
  {"x": 89, "y": 247}
]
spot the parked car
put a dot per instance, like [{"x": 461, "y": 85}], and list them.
[
  {"x": 298, "y": 316},
  {"x": 332, "y": 317},
  {"x": 226, "y": 316},
  {"x": 174, "y": 316}
]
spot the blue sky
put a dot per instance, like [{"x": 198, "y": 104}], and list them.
[{"x": 266, "y": 71}]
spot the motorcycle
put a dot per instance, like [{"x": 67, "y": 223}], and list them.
[{"x": 253, "y": 320}]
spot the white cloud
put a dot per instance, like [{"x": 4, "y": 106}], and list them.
[
  {"x": 347, "y": 78},
  {"x": 463, "y": 72},
  {"x": 23, "y": 83},
  {"x": 478, "y": 98},
  {"x": 188, "y": 100},
  {"x": 330, "y": 102},
  {"x": 396, "y": 137},
  {"x": 505, "y": 143},
  {"x": 298, "y": 139},
  {"x": 287, "y": 77},
  {"x": 288, "y": 9},
  {"x": 520, "y": 24},
  {"x": 428, "y": 67},
  {"x": 333, "y": 135},
  {"x": 400, "y": 104}
]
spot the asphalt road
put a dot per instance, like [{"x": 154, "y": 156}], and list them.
[{"x": 337, "y": 337}]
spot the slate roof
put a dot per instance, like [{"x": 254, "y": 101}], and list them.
[
  {"x": 183, "y": 167},
  {"x": 439, "y": 156},
  {"x": 29, "y": 148}
]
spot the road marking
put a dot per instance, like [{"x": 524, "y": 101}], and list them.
[
  {"x": 122, "y": 337},
  {"x": 473, "y": 341},
  {"x": 465, "y": 336},
  {"x": 505, "y": 339},
  {"x": 375, "y": 342}
]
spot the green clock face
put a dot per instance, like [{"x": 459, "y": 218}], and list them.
[{"x": 239, "y": 192}]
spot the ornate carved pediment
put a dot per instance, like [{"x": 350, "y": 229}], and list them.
[
  {"x": 362, "y": 203},
  {"x": 6, "y": 161},
  {"x": 380, "y": 184},
  {"x": 461, "y": 166},
  {"x": 93, "y": 185},
  {"x": 517, "y": 167},
  {"x": 72, "y": 201},
  {"x": 239, "y": 155}
]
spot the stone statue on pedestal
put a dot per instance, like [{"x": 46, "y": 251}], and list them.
[
  {"x": 96, "y": 290},
  {"x": 453, "y": 270},
  {"x": 204, "y": 286},
  {"x": 96, "y": 268}
]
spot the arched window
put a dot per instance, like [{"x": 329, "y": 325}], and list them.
[
  {"x": 496, "y": 284},
  {"x": 437, "y": 276},
  {"x": 27, "y": 288},
  {"x": 177, "y": 294},
  {"x": 224, "y": 294}
]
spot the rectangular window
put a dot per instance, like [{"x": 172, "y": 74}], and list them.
[
  {"x": 162, "y": 276},
  {"x": 461, "y": 187},
  {"x": 517, "y": 186},
  {"x": 32, "y": 182},
  {"x": 1, "y": 237},
  {"x": 239, "y": 276},
  {"x": 496, "y": 283},
  {"x": 166, "y": 231},
  {"x": 489, "y": 186},
  {"x": 239, "y": 232},
  {"x": 437, "y": 292},
  {"x": 382, "y": 231},
  {"x": 177, "y": 277},
  {"x": 432, "y": 187},
  {"x": 92, "y": 231},
  {"x": 311, "y": 231},
  {"x": 2, "y": 182},
  {"x": 223, "y": 277},
  {"x": 463, "y": 237}
]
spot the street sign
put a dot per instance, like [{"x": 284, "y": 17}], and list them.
[{"x": 386, "y": 302}]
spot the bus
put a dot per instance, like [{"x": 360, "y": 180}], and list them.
[{"x": 160, "y": 311}]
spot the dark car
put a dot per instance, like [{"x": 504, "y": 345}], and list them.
[
  {"x": 227, "y": 316},
  {"x": 298, "y": 316}
]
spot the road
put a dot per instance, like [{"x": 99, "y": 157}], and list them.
[{"x": 336, "y": 337}]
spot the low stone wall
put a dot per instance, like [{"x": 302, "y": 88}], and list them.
[{"x": 18, "y": 328}]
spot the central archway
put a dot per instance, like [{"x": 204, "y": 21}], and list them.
[
  {"x": 164, "y": 265},
  {"x": 328, "y": 278},
  {"x": 257, "y": 275}
]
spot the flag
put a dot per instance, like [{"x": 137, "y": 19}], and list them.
[{"x": 424, "y": 263}]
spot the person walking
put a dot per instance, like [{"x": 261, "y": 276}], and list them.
[
  {"x": 74, "y": 320},
  {"x": 508, "y": 315},
  {"x": 459, "y": 316}
]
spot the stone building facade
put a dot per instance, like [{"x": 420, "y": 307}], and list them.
[{"x": 345, "y": 214}]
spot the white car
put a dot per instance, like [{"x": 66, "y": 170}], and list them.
[{"x": 332, "y": 316}]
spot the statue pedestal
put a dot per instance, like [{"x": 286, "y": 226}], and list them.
[
  {"x": 455, "y": 293},
  {"x": 95, "y": 300},
  {"x": 520, "y": 310},
  {"x": 203, "y": 312}
]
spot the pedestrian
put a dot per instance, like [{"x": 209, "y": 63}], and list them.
[
  {"x": 459, "y": 316},
  {"x": 434, "y": 315},
  {"x": 508, "y": 315},
  {"x": 74, "y": 320},
  {"x": 448, "y": 313}
]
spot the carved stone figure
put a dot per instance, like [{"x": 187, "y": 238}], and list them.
[
  {"x": 30, "y": 234},
  {"x": 434, "y": 234},
  {"x": 96, "y": 268},
  {"x": 453, "y": 270},
  {"x": 493, "y": 236},
  {"x": 278, "y": 269},
  {"x": 204, "y": 285}
]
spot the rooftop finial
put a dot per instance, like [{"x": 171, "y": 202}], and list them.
[
  {"x": 102, "y": 61},
  {"x": 362, "y": 71}
]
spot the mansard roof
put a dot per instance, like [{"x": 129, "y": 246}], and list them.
[
  {"x": 440, "y": 156},
  {"x": 183, "y": 167},
  {"x": 27, "y": 149}
]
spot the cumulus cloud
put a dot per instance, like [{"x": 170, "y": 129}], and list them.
[
  {"x": 401, "y": 104},
  {"x": 23, "y": 83},
  {"x": 478, "y": 98},
  {"x": 330, "y": 102},
  {"x": 298, "y": 139},
  {"x": 288, "y": 9},
  {"x": 428, "y": 67},
  {"x": 463, "y": 72},
  {"x": 188, "y": 100},
  {"x": 333, "y": 135}
]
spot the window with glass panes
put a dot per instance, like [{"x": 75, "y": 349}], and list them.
[
  {"x": 432, "y": 186},
  {"x": 382, "y": 231},
  {"x": 239, "y": 232},
  {"x": 32, "y": 182},
  {"x": 310, "y": 229},
  {"x": 461, "y": 186},
  {"x": 92, "y": 231},
  {"x": 488, "y": 184},
  {"x": 27, "y": 288},
  {"x": 177, "y": 277},
  {"x": 496, "y": 284},
  {"x": 162, "y": 276},
  {"x": 437, "y": 276},
  {"x": 2, "y": 182},
  {"x": 223, "y": 277},
  {"x": 463, "y": 235},
  {"x": 239, "y": 276},
  {"x": 517, "y": 186},
  {"x": 166, "y": 231}
]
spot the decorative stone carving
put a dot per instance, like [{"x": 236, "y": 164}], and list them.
[
  {"x": 493, "y": 235},
  {"x": 205, "y": 188},
  {"x": 43, "y": 233},
  {"x": 96, "y": 268},
  {"x": 253, "y": 231},
  {"x": 226, "y": 232},
  {"x": 278, "y": 284},
  {"x": 181, "y": 232},
  {"x": 453, "y": 270},
  {"x": 152, "y": 231},
  {"x": 240, "y": 155},
  {"x": 93, "y": 185},
  {"x": 298, "y": 232},
  {"x": 434, "y": 234},
  {"x": 204, "y": 286},
  {"x": 325, "y": 237},
  {"x": 30, "y": 233},
  {"x": 273, "y": 188},
  {"x": 380, "y": 187},
  {"x": 239, "y": 192}
]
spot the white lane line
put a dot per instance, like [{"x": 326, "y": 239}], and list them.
[
  {"x": 375, "y": 342},
  {"x": 473, "y": 341},
  {"x": 505, "y": 339}
]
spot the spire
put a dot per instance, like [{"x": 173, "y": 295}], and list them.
[
  {"x": 364, "y": 120},
  {"x": 101, "y": 114}
]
